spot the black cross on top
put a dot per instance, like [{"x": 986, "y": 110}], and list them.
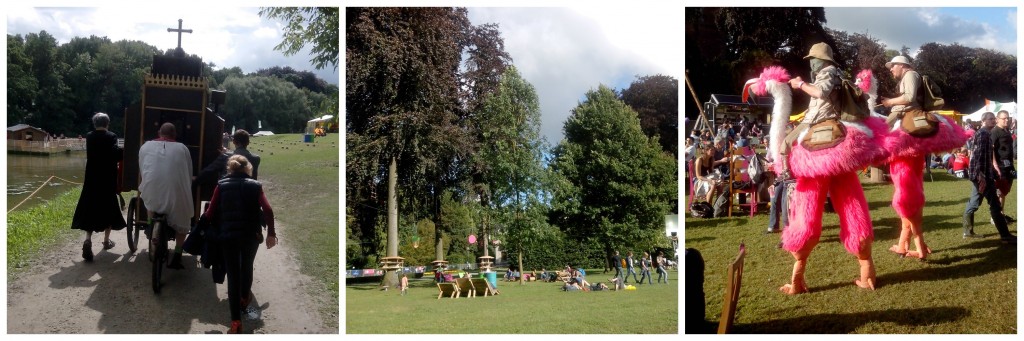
[{"x": 180, "y": 31}]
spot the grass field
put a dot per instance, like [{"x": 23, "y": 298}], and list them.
[
  {"x": 301, "y": 181},
  {"x": 533, "y": 308},
  {"x": 966, "y": 286}
]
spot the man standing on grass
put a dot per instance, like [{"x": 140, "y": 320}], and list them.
[
  {"x": 1002, "y": 146},
  {"x": 982, "y": 172}
]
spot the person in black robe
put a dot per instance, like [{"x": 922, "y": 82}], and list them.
[{"x": 98, "y": 208}]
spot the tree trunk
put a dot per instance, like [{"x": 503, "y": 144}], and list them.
[
  {"x": 390, "y": 279},
  {"x": 521, "y": 271}
]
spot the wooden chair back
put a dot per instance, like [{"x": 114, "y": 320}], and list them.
[
  {"x": 465, "y": 287},
  {"x": 732, "y": 291},
  {"x": 482, "y": 287},
  {"x": 447, "y": 289}
]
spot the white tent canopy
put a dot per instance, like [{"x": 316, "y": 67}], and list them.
[{"x": 993, "y": 107}]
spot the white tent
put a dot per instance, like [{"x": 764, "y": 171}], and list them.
[{"x": 993, "y": 107}]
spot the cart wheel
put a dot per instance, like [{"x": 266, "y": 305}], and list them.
[
  {"x": 158, "y": 247},
  {"x": 132, "y": 246}
]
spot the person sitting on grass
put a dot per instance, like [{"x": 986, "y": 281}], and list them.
[
  {"x": 599, "y": 287},
  {"x": 617, "y": 283},
  {"x": 571, "y": 286}
]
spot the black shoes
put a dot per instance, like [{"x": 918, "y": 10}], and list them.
[
  {"x": 87, "y": 250},
  {"x": 1012, "y": 240}
]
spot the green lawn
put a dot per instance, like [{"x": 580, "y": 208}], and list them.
[
  {"x": 966, "y": 286},
  {"x": 301, "y": 181},
  {"x": 533, "y": 308}
]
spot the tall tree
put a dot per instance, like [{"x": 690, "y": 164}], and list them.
[
  {"x": 656, "y": 100},
  {"x": 308, "y": 25},
  {"x": 615, "y": 185},
  {"x": 969, "y": 75},
  {"x": 22, "y": 85},
  {"x": 50, "y": 111},
  {"x": 510, "y": 160},
  {"x": 402, "y": 106}
]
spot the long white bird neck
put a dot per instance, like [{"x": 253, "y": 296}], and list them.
[{"x": 783, "y": 98}]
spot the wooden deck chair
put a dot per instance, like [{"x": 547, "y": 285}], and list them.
[
  {"x": 448, "y": 289},
  {"x": 465, "y": 287},
  {"x": 732, "y": 292},
  {"x": 482, "y": 286}
]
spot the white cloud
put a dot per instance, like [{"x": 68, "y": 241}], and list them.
[
  {"x": 564, "y": 52},
  {"x": 913, "y": 27}
]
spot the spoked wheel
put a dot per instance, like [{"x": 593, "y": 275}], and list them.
[
  {"x": 158, "y": 253},
  {"x": 132, "y": 228}
]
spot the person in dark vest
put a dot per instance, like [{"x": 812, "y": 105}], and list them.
[
  {"x": 97, "y": 208},
  {"x": 235, "y": 210},
  {"x": 216, "y": 170}
]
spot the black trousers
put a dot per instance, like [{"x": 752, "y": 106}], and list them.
[{"x": 239, "y": 256}]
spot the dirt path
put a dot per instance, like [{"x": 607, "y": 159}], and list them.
[{"x": 112, "y": 294}]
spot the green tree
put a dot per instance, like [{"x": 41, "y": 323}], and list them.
[
  {"x": 308, "y": 25},
  {"x": 614, "y": 185},
  {"x": 50, "y": 111},
  {"x": 402, "y": 104},
  {"x": 21, "y": 83},
  {"x": 510, "y": 160},
  {"x": 656, "y": 100}
]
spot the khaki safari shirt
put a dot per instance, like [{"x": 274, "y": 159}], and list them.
[{"x": 821, "y": 109}]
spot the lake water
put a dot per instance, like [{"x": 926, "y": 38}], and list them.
[{"x": 26, "y": 173}]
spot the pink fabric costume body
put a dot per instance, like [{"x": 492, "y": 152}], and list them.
[
  {"x": 906, "y": 166},
  {"x": 820, "y": 173}
]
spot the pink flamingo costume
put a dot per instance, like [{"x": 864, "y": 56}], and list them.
[
  {"x": 906, "y": 166},
  {"x": 819, "y": 173}
]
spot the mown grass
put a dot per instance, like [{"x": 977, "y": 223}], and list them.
[
  {"x": 966, "y": 286},
  {"x": 533, "y": 308},
  {"x": 301, "y": 181},
  {"x": 38, "y": 228}
]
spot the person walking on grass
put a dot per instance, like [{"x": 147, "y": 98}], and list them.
[
  {"x": 645, "y": 268},
  {"x": 982, "y": 172},
  {"x": 617, "y": 261},
  {"x": 660, "y": 264},
  {"x": 405, "y": 283},
  {"x": 630, "y": 268},
  {"x": 97, "y": 208}
]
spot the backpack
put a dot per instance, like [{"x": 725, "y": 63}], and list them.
[
  {"x": 851, "y": 102},
  {"x": 701, "y": 210},
  {"x": 930, "y": 97},
  {"x": 755, "y": 170}
]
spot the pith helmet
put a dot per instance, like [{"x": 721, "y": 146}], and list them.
[
  {"x": 898, "y": 59},
  {"x": 821, "y": 51}
]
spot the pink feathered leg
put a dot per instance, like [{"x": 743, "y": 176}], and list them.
[
  {"x": 908, "y": 201},
  {"x": 855, "y": 230},
  {"x": 804, "y": 230}
]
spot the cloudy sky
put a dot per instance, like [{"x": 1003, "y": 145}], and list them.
[
  {"x": 564, "y": 52},
  {"x": 225, "y": 36},
  {"x": 985, "y": 27}
]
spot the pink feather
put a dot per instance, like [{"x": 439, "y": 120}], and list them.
[
  {"x": 774, "y": 73},
  {"x": 864, "y": 76}
]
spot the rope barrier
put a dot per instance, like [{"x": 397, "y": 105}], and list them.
[{"x": 37, "y": 190}]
